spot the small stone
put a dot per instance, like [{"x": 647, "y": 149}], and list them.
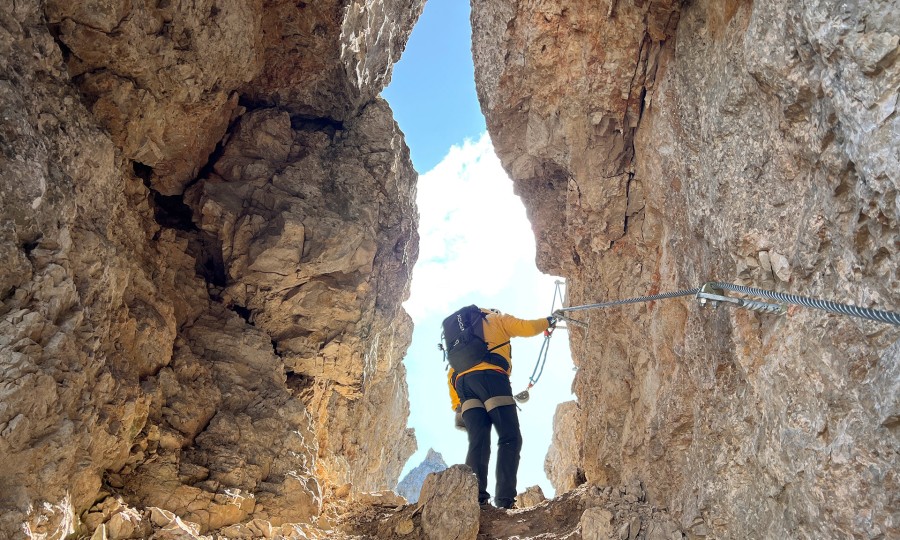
[
  {"x": 532, "y": 496},
  {"x": 93, "y": 520},
  {"x": 635, "y": 488},
  {"x": 234, "y": 532},
  {"x": 635, "y": 527},
  {"x": 380, "y": 498},
  {"x": 765, "y": 263},
  {"x": 115, "y": 481},
  {"x": 405, "y": 527},
  {"x": 666, "y": 530},
  {"x": 123, "y": 525},
  {"x": 700, "y": 529},
  {"x": 161, "y": 517},
  {"x": 780, "y": 266},
  {"x": 596, "y": 524},
  {"x": 100, "y": 533},
  {"x": 261, "y": 528}
]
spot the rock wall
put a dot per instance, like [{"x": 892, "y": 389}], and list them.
[
  {"x": 207, "y": 228},
  {"x": 658, "y": 145}
]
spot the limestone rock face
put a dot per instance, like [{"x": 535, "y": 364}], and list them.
[
  {"x": 658, "y": 145},
  {"x": 563, "y": 462},
  {"x": 201, "y": 268},
  {"x": 411, "y": 485},
  {"x": 326, "y": 59},
  {"x": 153, "y": 72}
]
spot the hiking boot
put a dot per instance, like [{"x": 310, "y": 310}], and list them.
[{"x": 506, "y": 504}]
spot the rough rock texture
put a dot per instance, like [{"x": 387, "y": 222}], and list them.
[
  {"x": 658, "y": 145},
  {"x": 411, "y": 485},
  {"x": 532, "y": 496},
  {"x": 563, "y": 464},
  {"x": 202, "y": 260},
  {"x": 449, "y": 503}
]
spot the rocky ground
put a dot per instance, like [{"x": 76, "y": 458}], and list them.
[{"x": 448, "y": 510}]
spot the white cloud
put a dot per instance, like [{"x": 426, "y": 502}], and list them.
[{"x": 474, "y": 231}]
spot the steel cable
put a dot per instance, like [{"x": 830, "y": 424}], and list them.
[
  {"x": 889, "y": 317},
  {"x": 825, "y": 305},
  {"x": 637, "y": 300}
]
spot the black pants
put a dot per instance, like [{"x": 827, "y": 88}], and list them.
[{"x": 483, "y": 385}]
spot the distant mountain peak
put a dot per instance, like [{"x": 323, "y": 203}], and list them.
[{"x": 411, "y": 484}]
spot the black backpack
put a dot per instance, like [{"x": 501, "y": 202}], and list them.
[{"x": 464, "y": 344}]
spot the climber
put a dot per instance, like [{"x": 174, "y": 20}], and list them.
[{"x": 481, "y": 394}]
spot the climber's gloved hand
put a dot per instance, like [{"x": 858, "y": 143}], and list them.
[
  {"x": 551, "y": 321},
  {"x": 459, "y": 423}
]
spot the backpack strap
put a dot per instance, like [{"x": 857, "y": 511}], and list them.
[{"x": 492, "y": 349}]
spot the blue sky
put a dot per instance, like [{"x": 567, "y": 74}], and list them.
[
  {"x": 476, "y": 247},
  {"x": 432, "y": 90}
]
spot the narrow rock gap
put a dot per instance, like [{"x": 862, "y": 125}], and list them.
[
  {"x": 63, "y": 48},
  {"x": 627, "y": 199},
  {"x": 30, "y": 245},
  {"x": 210, "y": 266},
  {"x": 253, "y": 104},
  {"x": 169, "y": 211},
  {"x": 199, "y": 431},
  {"x": 643, "y": 104},
  {"x": 208, "y": 168},
  {"x": 243, "y": 312},
  {"x": 314, "y": 124},
  {"x": 300, "y": 384}
]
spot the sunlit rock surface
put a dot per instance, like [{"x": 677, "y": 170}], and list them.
[
  {"x": 207, "y": 230},
  {"x": 658, "y": 145}
]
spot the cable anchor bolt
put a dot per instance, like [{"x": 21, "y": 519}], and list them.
[{"x": 711, "y": 295}]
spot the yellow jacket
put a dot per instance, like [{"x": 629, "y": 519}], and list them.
[{"x": 498, "y": 328}]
